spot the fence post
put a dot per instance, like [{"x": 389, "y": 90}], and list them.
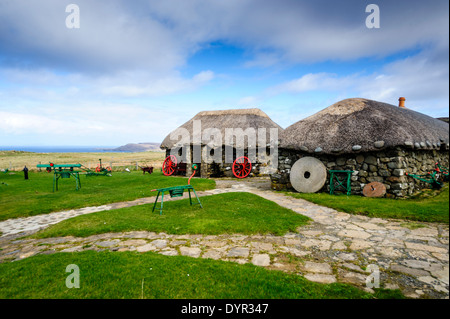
[{"x": 137, "y": 165}]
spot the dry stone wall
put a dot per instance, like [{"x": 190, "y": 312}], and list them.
[{"x": 387, "y": 166}]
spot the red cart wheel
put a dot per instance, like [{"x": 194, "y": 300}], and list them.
[
  {"x": 169, "y": 165},
  {"x": 242, "y": 167}
]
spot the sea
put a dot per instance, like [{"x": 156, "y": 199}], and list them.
[{"x": 60, "y": 149}]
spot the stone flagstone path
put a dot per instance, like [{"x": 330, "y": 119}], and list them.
[{"x": 334, "y": 247}]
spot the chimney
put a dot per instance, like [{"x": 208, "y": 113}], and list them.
[{"x": 401, "y": 102}]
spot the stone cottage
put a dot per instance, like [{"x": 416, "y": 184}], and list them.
[
  {"x": 379, "y": 142},
  {"x": 214, "y": 139}
]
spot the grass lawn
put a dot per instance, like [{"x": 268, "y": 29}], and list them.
[
  {"x": 16, "y": 160},
  {"x": 130, "y": 275},
  {"x": 242, "y": 213},
  {"x": 22, "y": 198},
  {"x": 429, "y": 206}
]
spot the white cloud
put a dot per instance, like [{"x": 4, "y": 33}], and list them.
[
  {"x": 422, "y": 79},
  {"x": 160, "y": 36},
  {"x": 160, "y": 86},
  {"x": 314, "y": 82}
]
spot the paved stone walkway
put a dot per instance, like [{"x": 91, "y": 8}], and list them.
[{"x": 334, "y": 247}]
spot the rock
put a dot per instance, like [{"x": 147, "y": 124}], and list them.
[
  {"x": 409, "y": 144},
  {"x": 340, "y": 161},
  {"x": 427, "y": 248},
  {"x": 320, "y": 244},
  {"x": 238, "y": 252},
  {"x": 107, "y": 243},
  {"x": 371, "y": 160},
  {"x": 352, "y": 278},
  {"x": 409, "y": 271},
  {"x": 321, "y": 278},
  {"x": 339, "y": 246},
  {"x": 412, "y": 263},
  {"x": 318, "y": 150},
  {"x": 442, "y": 275},
  {"x": 428, "y": 280},
  {"x": 261, "y": 260},
  {"x": 303, "y": 148},
  {"x": 145, "y": 248},
  {"x": 159, "y": 243},
  {"x": 359, "y": 159},
  {"x": 292, "y": 241},
  {"x": 354, "y": 234},
  {"x": 263, "y": 246},
  {"x": 212, "y": 254},
  {"x": 134, "y": 242},
  {"x": 177, "y": 243},
  {"x": 352, "y": 267},
  {"x": 398, "y": 172},
  {"x": 425, "y": 231},
  {"x": 356, "y": 147},
  {"x": 360, "y": 244},
  {"x": 169, "y": 252},
  {"x": 190, "y": 251},
  {"x": 72, "y": 249},
  {"x": 322, "y": 268},
  {"x": 379, "y": 144}
]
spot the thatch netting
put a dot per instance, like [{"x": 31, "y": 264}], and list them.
[
  {"x": 216, "y": 124},
  {"x": 364, "y": 125}
]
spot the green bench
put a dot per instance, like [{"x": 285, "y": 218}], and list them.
[{"x": 175, "y": 191}]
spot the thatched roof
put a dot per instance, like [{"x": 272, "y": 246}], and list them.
[
  {"x": 357, "y": 124},
  {"x": 222, "y": 120}
]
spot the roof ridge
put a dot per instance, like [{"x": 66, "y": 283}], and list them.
[{"x": 251, "y": 111}]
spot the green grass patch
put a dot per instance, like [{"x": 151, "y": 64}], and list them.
[
  {"x": 22, "y": 198},
  {"x": 113, "y": 275},
  {"x": 243, "y": 213},
  {"x": 427, "y": 207}
]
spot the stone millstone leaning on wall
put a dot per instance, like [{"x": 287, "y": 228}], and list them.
[{"x": 378, "y": 141}]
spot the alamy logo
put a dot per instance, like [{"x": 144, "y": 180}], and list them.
[
  {"x": 373, "y": 19},
  {"x": 373, "y": 280},
  {"x": 73, "y": 19},
  {"x": 73, "y": 280}
]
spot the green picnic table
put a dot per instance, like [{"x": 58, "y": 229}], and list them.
[{"x": 63, "y": 171}]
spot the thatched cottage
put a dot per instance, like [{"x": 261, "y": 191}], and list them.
[
  {"x": 379, "y": 142},
  {"x": 214, "y": 139}
]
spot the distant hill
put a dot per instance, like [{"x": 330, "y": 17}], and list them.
[{"x": 138, "y": 147}]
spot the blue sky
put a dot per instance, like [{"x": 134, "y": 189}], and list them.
[{"x": 135, "y": 70}]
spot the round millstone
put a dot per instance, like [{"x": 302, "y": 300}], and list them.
[
  {"x": 308, "y": 175},
  {"x": 374, "y": 189}
]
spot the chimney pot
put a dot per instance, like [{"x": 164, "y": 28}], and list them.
[{"x": 401, "y": 102}]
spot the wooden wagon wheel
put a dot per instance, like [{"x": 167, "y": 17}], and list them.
[
  {"x": 169, "y": 165},
  {"x": 242, "y": 167}
]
